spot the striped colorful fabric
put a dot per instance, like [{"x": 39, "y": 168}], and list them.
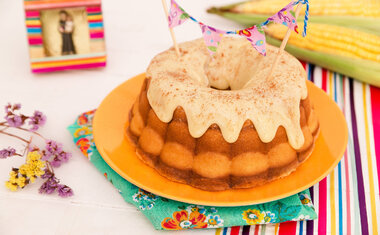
[{"x": 347, "y": 201}]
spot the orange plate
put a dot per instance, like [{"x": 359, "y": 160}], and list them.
[{"x": 111, "y": 120}]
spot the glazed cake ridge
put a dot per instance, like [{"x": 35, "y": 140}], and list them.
[
  {"x": 209, "y": 162},
  {"x": 186, "y": 82}
]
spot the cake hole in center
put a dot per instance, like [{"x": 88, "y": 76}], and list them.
[{"x": 228, "y": 89}]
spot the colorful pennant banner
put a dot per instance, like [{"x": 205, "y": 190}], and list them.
[
  {"x": 176, "y": 15},
  {"x": 212, "y": 37},
  {"x": 286, "y": 17},
  {"x": 255, "y": 34}
]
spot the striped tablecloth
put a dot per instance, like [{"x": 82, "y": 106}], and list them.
[{"x": 347, "y": 200}]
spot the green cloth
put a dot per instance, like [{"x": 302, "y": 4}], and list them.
[{"x": 168, "y": 214}]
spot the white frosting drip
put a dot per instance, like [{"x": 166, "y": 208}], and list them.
[{"x": 186, "y": 82}]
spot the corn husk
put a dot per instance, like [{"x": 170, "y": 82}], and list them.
[{"x": 364, "y": 70}]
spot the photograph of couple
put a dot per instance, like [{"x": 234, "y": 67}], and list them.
[
  {"x": 65, "y": 32},
  {"x": 66, "y": 28}
]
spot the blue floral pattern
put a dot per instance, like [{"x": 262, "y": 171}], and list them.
[{"x": 145, "y": 199}]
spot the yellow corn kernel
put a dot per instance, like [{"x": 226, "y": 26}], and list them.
[{"x": 332, "y": 39}]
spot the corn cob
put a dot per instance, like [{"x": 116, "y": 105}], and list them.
[
  {"x": 368, "y": 8},
  {"x": 344, "y": 38},
  {"x": 363, "y": 70},
  {"x": 332, "y": 39},
  {"x": 358, "y": 14},
  {"x": 344, "y": 50}
]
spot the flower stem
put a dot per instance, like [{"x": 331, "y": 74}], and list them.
[
  {"x": 4, "y": 129},
  {"x": 23, "y": 129},
  {"x": 50, "y": 168},
  {"x": 27, "y": 146},
  {"x": 15, "y": 136}
]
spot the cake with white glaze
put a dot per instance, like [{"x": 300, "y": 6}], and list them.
[{"x": 221, "y": 123}]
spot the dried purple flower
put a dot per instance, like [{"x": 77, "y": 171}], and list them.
[
  {"x": 37, "y": 120},
  {"x": 49, "y": 186},
  {"x": 48, "y": 174},
  {"x": 52, "y": 184},
  {"x": 8, "y": 152},
  {"x": 53, "y": 153},
  {"x": 56, "y": 162},
  {"x": 8, "y": 108},
  {"x": 45, "y": 156},
  {"x": 59, "y": 158},
  {"x": 14, "y": 120},
  {"x": 53, "y": 148},
  {"x": 64, "y": 156},
  {"x": 16, "y": 106},
  {"x": 64, "y": 191}
]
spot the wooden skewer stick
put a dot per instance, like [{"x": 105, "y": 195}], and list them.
[
  {"x": 284, "y": 41},
  {"x": 170, "y": 29}
]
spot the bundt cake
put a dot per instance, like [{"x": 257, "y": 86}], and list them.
[{"x": 220, "y": 123}]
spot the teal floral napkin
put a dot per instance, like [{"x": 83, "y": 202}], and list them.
[{"x": 166, "y": 214}]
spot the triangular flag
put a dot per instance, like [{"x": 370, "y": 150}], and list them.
[
  {"x": 211, "y": 37},
  {"x": 177, "y": 15},
  {"x": 255, "y": 35},
  {"x": 286, "y": 17}
]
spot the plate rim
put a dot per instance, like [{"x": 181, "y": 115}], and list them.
[{"x": 121, "y": 173}]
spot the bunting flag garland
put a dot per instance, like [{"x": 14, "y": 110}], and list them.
[
  {"x": 306, "y": 18},
  {"x": 212, "y": 37},
  {"x": 286, "y": 17},
  {"x": 177, "y": 15},
  {"x": 255, "y": 34}
]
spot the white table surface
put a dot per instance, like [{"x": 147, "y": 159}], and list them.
[{"x": 135, "y": 32}]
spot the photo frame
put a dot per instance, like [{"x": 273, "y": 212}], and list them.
[{"x": 65, "y": 34}]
